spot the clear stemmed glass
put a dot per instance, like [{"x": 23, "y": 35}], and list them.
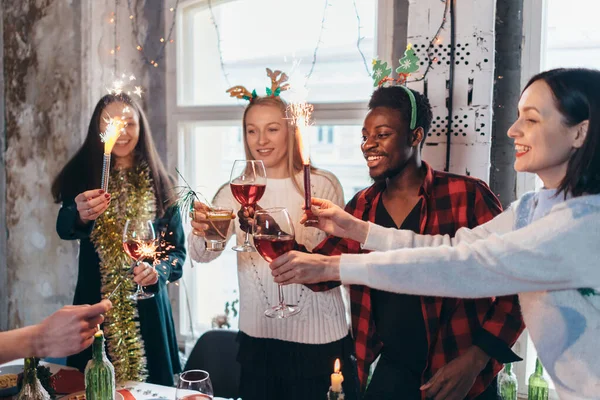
[
  {"x": 273, "y": 234},
  {"x": 248, "y": 183},
  {"x": 139, "y": 242},
  {"x": 194, "y": 385}
]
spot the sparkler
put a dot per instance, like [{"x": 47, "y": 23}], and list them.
[
  {"x": 109, "y": 138},
  {"x": 300, "y": 114},
  {"x": 115, "y": 126}
]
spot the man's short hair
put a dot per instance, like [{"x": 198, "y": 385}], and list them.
[{"x": 396, "y": 98}]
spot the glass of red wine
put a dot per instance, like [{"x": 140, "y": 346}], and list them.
[
  {"x": 194, "y": 385},
  {"x": 273, "y": 234},
  {"x": 248, "y": 183},
  {"x": 139, "y": 242}
]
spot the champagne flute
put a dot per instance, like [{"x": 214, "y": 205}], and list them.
[
  {"x": 194, "y": 385},
  {"x": 248, "y": 183},
  {"x": 273, "y": 233},
  {"x": 139, "y": 242}
]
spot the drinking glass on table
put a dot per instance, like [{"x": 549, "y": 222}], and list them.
[
  {"x": 194, "y": 385},
  {"x": 139, "y": 242},
  {"x": 248, "y": 182},
  {"x": 273, "y": 234}
]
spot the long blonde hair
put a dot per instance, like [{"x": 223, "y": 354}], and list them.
[{"x": 294, "y": 164}]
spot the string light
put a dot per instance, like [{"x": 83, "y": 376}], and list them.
[
  {"x": 314, "y": 61},
  {"x": 360, "y": 38},
  {"x": 436, "y": 39},
  {"x": 161, "y": 51},
  {"x": 218, "y": 33}
]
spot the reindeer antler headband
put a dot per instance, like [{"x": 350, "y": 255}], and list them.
[
  {"x": 278, "y": 85},
  {"x": 409, "y": 63}
]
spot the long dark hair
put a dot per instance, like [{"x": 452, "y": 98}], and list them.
[
  {"x": 577, "y": 96},
  {"x": 84, "y": 171}
]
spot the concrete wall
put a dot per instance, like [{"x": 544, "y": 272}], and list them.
[{"x": 57, "y": 64}]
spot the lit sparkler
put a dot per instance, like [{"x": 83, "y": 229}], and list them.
[
  {"x": 300, "y": 113},
  {"x": 109, "y": 138}
]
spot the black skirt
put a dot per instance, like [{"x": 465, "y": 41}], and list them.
[{"x": 277, "y": 369}]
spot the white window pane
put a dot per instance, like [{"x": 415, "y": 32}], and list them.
[
  {"x": 258, "y": 33},
  {"x": 572, "y": 38}
]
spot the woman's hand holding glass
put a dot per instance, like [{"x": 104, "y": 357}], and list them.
[
  {"x": 91, "y": 204},
  {"x": 145, "y": 274},
  {"x": 212, "y": 223},
  {"x": 333, "y": 220},
  {"x": 199, "y": 218},
  {"x": 305, "y": 268}
]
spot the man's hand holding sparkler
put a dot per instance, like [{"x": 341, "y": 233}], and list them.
[
  {"x": 91, "y": 203},
  {"x": 145, "y": 274}
]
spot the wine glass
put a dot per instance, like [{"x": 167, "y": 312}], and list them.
[
  {"x": 194, "y": 385},
  {"x": 139, "y": 242},
  {"x": 248, "y": 183},
  {"x": 273, "y": 233}
]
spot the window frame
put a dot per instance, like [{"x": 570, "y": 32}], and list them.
[{"x": 179, "y": 116}]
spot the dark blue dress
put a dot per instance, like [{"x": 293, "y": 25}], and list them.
[{"x": 155, "y": 316}]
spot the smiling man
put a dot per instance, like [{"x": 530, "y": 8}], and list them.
[{"x": 430, "y": 347}]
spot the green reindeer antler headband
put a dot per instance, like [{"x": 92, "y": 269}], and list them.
[{"x": 409, "y": 63}]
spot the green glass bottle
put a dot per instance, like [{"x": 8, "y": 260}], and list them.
[
  {"x": 538, "y": 386},
  {"x": 507, "y": 383},
  {"x": 99, "y": 373},
  {"x": 32, "y": 388}
]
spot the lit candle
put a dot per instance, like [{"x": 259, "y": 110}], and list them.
[{"x": 336, "y": 378}]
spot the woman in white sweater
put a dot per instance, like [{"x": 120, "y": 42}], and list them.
[
  {"x": 545, "y": 247},
  {"x": 289, "y": 358}
]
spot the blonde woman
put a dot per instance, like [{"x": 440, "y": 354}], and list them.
[{"x": 288, "y": 358}]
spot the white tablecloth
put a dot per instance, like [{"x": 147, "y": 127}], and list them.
[{"x": 140, "y": 390}]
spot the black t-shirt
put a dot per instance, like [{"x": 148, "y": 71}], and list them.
[{"x": 400, "y": 326}]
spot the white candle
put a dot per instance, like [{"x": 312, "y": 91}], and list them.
[{"x": 337, "y": 378}]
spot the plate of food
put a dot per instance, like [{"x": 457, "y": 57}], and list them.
[
  {"x": 9, "y": 376},
  {"x": 81, "y": 396}
]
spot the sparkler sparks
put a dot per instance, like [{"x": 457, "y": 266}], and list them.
[
  {"x": 300, "y": 113},
  {"x": 147, "y": 249},
  {"x": 109, "y": 137}
]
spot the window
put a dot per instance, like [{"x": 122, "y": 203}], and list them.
[
  {"x": 255, "y": 34},
  {"x": 554, "y": 37}
]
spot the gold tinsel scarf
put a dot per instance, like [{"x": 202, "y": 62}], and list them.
[{"x": 132, "y": 198}]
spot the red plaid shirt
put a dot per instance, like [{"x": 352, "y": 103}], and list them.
[{"x": 449, "y": 202}]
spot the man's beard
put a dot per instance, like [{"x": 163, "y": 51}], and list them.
[{"x": 389, "y": 173}]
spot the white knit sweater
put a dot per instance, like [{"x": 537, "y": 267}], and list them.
[
  {"x": 323, "y": 316},
  {"x": 545, "y": 255}
]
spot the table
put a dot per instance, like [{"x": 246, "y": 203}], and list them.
[{"x": 140, "y": 390}]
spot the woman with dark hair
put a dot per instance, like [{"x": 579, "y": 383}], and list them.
[
  {"x": 544, "y": 247},
  {"x": 141, "y": 338}
]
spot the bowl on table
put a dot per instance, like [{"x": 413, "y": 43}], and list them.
[
  {"x": 81, "y": 396},
  {"x": 8, "y": 379}
]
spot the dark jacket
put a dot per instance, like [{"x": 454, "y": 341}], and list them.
[{"x": 155, "y": 315}]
